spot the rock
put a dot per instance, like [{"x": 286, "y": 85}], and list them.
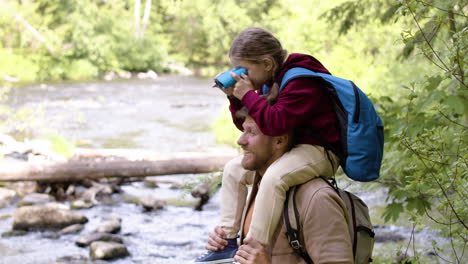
[
  {"x": 6, "y": 197},
  {"x": 152, "y": 75},
  {"x": 111, "y": 224},
  {"x": 176, "y": 186},
  {"x": 107, "y": 250},
  {"x": 13, "y": 233},
  {"x": 81, "y": 204},
  {"x": 35, "y": 199},
  {"x": 48, "y": 216},
  {"x": 71, "y": 229},
  {"x": 75, "y": 259},
  {"x": 110, "y": 76},
  {"x": 86, "y": 240},
  {"x": 151, "y": 184},
  {"x": 22, "y": 188},
  {"x": 96, "y": 190},
  {"x": 388, "y": 236},
  {"x": 147, "y": 75},
  {"x": 150, "y": 203},
  {"x": 124, "y": 75},
  {"x": 9, "y": 78}
]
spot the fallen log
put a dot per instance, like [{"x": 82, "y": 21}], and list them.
[{"x": 77, "y": 170}]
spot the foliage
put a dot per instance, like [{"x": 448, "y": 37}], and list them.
[
  {"x": 409, "y": 55},
  {"x": 61, "y": 146},
  {"x": 74, "y": 39},
  {"x": 426, "y": 160},
  {"x": 226, "y": 132}
]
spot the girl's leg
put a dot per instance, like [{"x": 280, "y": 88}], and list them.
[
  {"x": 234, "y": 195},
  {"x": 295, "y": 167}
]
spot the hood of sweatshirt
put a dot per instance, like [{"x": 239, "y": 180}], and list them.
[{"x": 303, "y": 61}]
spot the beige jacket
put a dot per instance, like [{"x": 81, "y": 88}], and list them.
[{"x": 323, "y": 220}]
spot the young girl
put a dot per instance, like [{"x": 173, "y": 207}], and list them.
[{"x": 302, "y": 106}]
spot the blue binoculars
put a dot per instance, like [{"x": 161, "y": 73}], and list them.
[{"x": 225, "y": 80}]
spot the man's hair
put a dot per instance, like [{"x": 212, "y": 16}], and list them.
[
  {"x": 253, "y": 44},
  {"x": 244, "y": 112}
]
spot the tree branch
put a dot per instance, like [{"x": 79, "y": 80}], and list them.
[
  {"x": 441, "y": 9},
  {"x": 429, "y": 44}
]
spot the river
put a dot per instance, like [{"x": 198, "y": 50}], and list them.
[{"x": 166, "y": 115}]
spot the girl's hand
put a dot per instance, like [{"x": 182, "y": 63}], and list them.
[
  {"x": 228, "y": 91},
  {"x": 243, "y": 85},
  {"x": 252, "y": 252},
  {"x": 216, "y": 239}
]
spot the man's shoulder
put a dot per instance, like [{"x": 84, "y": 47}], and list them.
[
  {"x": 316, "y": 186},
  {"x": 315, "y": 193}
]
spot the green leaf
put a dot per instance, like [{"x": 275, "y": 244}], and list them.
[
  {"x": 456, "y": 103},
  {"x": 433, "y": 82},
  {"x": 392, "y": 212}
]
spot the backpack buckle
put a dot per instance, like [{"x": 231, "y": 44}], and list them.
[{"x": 295, "y": 244}]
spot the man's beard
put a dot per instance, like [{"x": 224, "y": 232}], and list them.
[{"x": 252, "y": 162}]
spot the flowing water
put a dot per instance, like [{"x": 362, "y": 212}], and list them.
[{"x": 170, "y": 114}]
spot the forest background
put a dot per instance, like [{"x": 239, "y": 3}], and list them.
[{"x": 408, "y": 55}]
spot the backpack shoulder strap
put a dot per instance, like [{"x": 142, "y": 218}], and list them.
[
  {"x": 291, "y": 232},
  {"x": 298, "y": 72},
  {"x": 293, "y": 228}
]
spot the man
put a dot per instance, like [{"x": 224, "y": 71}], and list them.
[{"x": 323, "y": 220}]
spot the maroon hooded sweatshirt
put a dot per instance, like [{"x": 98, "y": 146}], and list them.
[{"x": 303, "y": 104}]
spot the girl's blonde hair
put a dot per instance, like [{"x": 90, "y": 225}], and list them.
[{"x": 254, "y": 44}]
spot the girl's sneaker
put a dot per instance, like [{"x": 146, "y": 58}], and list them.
[{"x": 225, "y": 255}]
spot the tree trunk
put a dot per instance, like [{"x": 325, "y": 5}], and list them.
[
  {"x": 146, "y": 16},
  {"x": 137, "y": 18},
  {"x": 34, "y": 32},
  {"x": 76, "y": 170}
]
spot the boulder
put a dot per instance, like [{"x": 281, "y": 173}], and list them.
[
  {"x": 150, "y": 203},
  {"x": 107, "y": 250},
  {"x": 6, "y": 197},
  {"x": 86, "y": 240},
  {"x": 110, "y": 224},
  {"x": 47, "y": 216}
]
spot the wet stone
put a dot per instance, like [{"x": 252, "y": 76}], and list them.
[
  {"x": 107, "y": 250},
  {"x": 86, "y": 240},
  {"x": 150, "y": 203},
  {"x": 35, "y": 199},
  {"x": 151, "y": 184},
  {"x": 45, "y": 217},
  {"x": 73, "y": 229},
  {"x": 81, "y": 204},
  {"x": 75, "y": 259},
  {"x": 13, "y": 233},
  {"x": 111, "y": 224},
  {"x": 6, "y": 197},
  {"x": 388, "y": 236}
]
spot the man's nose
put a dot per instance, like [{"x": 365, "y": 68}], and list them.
[{"x": 241, "y": 141}]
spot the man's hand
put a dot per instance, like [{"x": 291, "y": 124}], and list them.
[
  {"x": 216, "y": 239},
  {"x": 242, "y": 86},
  {"x": 252, "y": 252}
]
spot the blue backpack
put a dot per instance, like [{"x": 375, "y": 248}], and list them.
[{"x": 361, "y": 129}]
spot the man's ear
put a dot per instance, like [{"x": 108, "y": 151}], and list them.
[{"x": 282, "y": 142}]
